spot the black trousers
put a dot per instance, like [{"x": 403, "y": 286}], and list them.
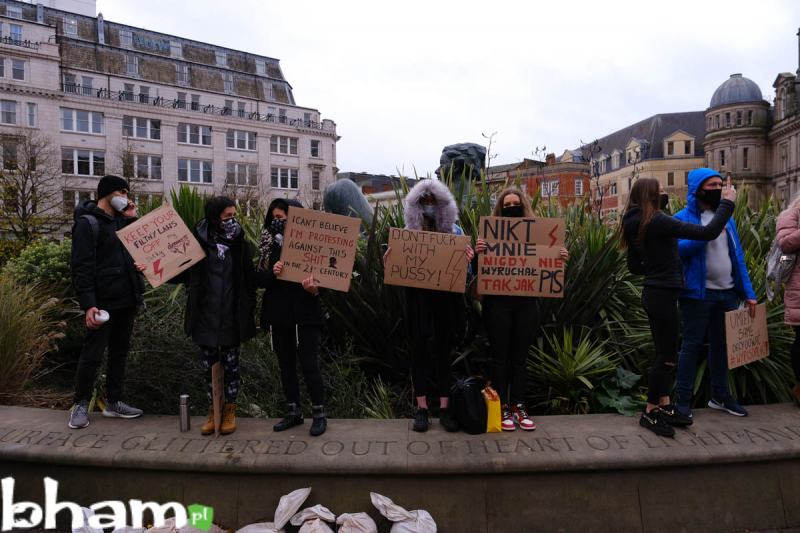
[
  {"x": 430, "y": 362},
  {"x": 116, "y": 336},
  {"x": 286, "y": 346},
  {"x": 796, "y": 354},
  {"x": 511, "y": 325},
  {"x": 661, "y": 306}
]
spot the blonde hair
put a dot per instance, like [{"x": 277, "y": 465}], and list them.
[{"x": 523, "y": 200}]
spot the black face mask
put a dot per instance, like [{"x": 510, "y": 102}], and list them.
[
  {"x": 663, "y": 201},
  {"x": 711, "y": 197},
  {"x": 512, "y": 211}
]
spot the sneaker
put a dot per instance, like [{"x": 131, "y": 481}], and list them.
[
  {"x": 683, "y": 409},
  {"x": 521, "y": 417},
  {"x": 508, "y": 419},
  {"x": 121, "y": 410},
  {"x": 289, "y": 421},
  {"x": 728, "y": 404},
  {"x": 319, "y": 423},
  {"x": 674, "y": 417},
  {"x": 421, "y": 421},
  {"x": 79, "y": 417},
  {"x": 654, "y": 421},
  {"x": 447, "y": 420}
]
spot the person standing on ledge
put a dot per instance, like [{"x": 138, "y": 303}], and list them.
[
  {"x": 716, "y": 281},
  {"x": 105, "y": 278},
  {"x": 511, "y": 324},
  {"x": 787, "y": 233},
  {"x": 435, "y": 319},
  {"x": 292, "y": 312},
  {"x": 651, "y": 238}
]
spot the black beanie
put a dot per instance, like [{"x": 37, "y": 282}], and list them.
[{"x": 109, "y": 184}]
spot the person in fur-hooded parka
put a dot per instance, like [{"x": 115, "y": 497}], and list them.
[{"x": 446, "y": 210}]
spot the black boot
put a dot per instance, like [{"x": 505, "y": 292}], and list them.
[
  {"x": 294, "y": 418},
  {"x": 421, "y": 420},
  {"x": 318, "y": 423},
  {"x": 448, "y": 421}
]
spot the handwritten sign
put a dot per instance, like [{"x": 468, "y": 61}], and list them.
[
  {"x": 523, "y": 257},
  {"x": 427, "y": 260},
  {"x": 746, "y": 336},
  {"x": 161, "y": 241},
  {"x": 322, "y": 245}
]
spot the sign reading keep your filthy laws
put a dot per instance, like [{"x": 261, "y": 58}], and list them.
[{"x": 522, "y": 258}]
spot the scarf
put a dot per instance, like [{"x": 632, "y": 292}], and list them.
[
  {"x": 224, "y": 238},
  {"x": 271, "y": 240}
]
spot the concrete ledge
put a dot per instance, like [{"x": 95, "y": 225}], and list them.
[{"x": 590, "y": 473}]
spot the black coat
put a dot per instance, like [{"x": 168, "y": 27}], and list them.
[
  {"x": 207, "y": 320},
  {"x": 286, "y": 303},
  {"x": 104, "y": 275}
]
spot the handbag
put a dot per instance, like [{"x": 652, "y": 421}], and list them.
[{"x": 494, "y": 418}]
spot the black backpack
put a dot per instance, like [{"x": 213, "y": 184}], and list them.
[
  {"x": 468, "y": 405},
  {"x": 80, "y": 213}
]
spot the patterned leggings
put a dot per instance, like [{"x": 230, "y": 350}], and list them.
[{"x": 229, "y": 356}]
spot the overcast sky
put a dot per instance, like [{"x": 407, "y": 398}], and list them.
[{"x": 403, "y": 79}]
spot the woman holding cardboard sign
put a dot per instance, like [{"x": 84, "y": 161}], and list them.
[
  {"x": 511, "y": 323},
  {"x": 435, "y": 319},
  {"x": 293, "y": 313},
  {"x": 787, "y": 233}
]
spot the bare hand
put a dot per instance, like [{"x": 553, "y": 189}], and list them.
[
  {"x": 311, "y": 285},
  {"x": 386, "y": 256},
  {"x": 141, "y": 267},
  {"x": 130, "y": 211},
  {"x": 91, "y": 323},
  {"x": 751, "y": 307},
  {"x": 728, "y": 191},
  {"x": 480, "y": 246},
  {"x": 277, "y": 268},
  {"x": 564, "y": 253},
  {"x": 470, "y": 253}
]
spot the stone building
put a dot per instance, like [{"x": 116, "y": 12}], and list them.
[
  {"x": 564, "y": 179},
  {"x": 161, "y": 109}
]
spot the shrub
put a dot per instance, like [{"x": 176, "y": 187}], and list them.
[{"x": 43, "y": 262}]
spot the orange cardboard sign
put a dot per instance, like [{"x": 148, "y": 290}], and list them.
[
  {"x": 746, "y": 337},
  {"x": 426, "y": 260}
]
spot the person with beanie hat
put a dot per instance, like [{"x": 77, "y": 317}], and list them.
[{"x": 109, "y": 287}]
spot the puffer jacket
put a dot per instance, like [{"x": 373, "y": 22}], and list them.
[{"x": 787, "y": 232}]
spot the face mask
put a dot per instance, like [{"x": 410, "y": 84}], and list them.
[
  {"x": 119, "y": 203},
  {"x": 711, "y": 197},
  {"x": 429, "y": 211},
  {"x": 512, "y": 211},
  {"x": 277, "y": 225},
  {"x": 229, "y": 227},
  {"x": 663, "y": 201}
]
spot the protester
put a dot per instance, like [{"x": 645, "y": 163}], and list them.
[
  {"x": 435, "y": 319},
  {"x": 650, "y": 236},
  {"x": 716, "y": 281},
  {"x": 788, "y": 236},
  {"x": 220, "y": 303},
  {"x": 511, "y": 324},
  {"x": 293, "y": 313},
  {"x": 106, "y": 280}
]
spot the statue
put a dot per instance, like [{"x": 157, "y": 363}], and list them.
[
  {"x": 343, "y": 197},
  {"x": 466, "y": 159}
]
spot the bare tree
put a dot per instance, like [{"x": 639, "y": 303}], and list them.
[
  {"x": 31, "y": 185},
  {"x": 489, "y": 154},
  {"x": 588, "y": 151}
]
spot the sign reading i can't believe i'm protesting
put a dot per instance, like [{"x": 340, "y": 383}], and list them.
[{"x": 522, "y": 258}]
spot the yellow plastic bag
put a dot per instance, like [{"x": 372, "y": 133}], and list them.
[{"x": 493, "y": 417}]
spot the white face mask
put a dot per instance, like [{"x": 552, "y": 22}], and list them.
[{"x": 119, "y": 203}]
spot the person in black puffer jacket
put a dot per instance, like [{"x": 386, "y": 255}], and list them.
[{"x": 651, "y": 239}]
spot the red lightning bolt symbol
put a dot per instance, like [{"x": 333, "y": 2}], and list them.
[
  {"x": 157, "y": 269},
  {"x": 451, "y": 270},
  {"x": 553, "y": 236}
]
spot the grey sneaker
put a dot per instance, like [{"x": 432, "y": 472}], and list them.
[
  {"x": 121, "y": 410},
  {"x": 79, "y": 417}
]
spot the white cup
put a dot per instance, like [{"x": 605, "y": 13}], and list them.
[{"x": 101, "y": 316}]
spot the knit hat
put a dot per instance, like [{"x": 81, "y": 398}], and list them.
[{"x": 109, "y": 184}]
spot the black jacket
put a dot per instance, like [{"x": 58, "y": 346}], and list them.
[
  {"x": 656, "y": 257},
  {"x": 103, "y": 276},
  {"x": 220, "y": 295}
]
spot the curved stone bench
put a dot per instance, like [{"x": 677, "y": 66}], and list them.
[{"x": 574, "y": 473}]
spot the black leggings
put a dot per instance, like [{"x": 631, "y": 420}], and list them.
[
  {"x": 661, "y": 306},
  {"x": 431, "y": 362},
  {"x": 796, "y": 354},
  {"x": 511, "y": 324},
  {"x": 288, "y": 350}
]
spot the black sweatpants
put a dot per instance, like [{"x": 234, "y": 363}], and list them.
[
  {"x": 430, "y": 361},
  {"x": 661, "y": 306},
  {"x": 286, "y": 346},
  {"x": 116, "y": 336},
  {"x": 796, "y": 354},
  {"x": 511, "y": 325}
]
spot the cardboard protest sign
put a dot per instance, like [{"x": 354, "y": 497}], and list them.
[
  {"x": 161, "y": 240},
  {"x": 427, "y": 260},
  {"x": 217, "y": 388},
  {"x": 747, "y": 339},
  {"x": 522, "y": 258},
  {"x": 322, "y": 245}
]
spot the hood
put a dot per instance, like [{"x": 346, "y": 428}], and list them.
[
  {"x": 446, "y": 210},
  {"x": 696, "y": 178},
  {"x": 89, "y": 207}
]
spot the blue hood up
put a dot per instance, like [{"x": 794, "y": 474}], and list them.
[{"x": 696, "y": 178}]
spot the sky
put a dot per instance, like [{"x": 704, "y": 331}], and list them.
[{"x": 404, "y": 79}]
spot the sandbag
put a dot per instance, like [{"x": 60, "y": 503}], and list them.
[
  {"x": 287, "y": 507},
  {"x": 356, "y": 523},
  {"x": 404, "y": 521},
  {"x": 312, "y": 520},
  {"x": 87, "y": 514}
]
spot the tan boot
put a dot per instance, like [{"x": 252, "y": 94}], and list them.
[
  {"x": 796, "y": 394},
  {"x": 228, "y": 424},
  {"x": 208, "y": 427}
]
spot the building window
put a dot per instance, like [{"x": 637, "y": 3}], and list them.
[
  {"x": 746, "y": 158},
  {"x": 261, "y": 67},
  {"x": 86, "y": 85},
  {"x": 194, "y": 170},
  {"x": 127, "y": 92},
  {"x": 784, "y": 157},
  {"x": 32, "y": 115},
  {"x": 18, "y": 69},
  {"x": 315, "y": 149},
  {"x": 14, "y": 12},
  {"x": 670, "y": 179},
  {"x": 148, "y": 167},
  {"x": 144, "y": 94},
  {"x": 228, "y": 82},
  {"x": 182, "y": 73},
  {"x": 578, "y": 187},
  {"x": 9, "y": 154},
  {"x": 222, "y": 58},
  {"x": 283, "y": 145},
  {"x": 722, "y": 158},
  {"x": 83, "y": 162},
  {"x": 175, "y": 49},
  {"x": 244, "y": 174},
  {"x": 554, "y": 188},
  {"x": 716, "y": 120},
  {"x": 241, "y": 140},
  {"x": 132, "y": 63},
  {"x": 70, "y": 25},
  {"x": 194, "y": 134},
  {"x": 750, "y": 118},
  {"x": 284, "y": 178},
  {"x": 180, "y": 102},
  {"x": 670, "y": 148},
  {"x": 81, "y": 121},
  {"x": 16, "y": 33},
  {"x": 727, "y": 120},
  {"x": 8, "y": 112},
  {"x": 709, "y": 123},
  {"x": 282, "y": 116},
  {"x": 195, "y": 102},
  {"x": 738, "y": 118},
  {"x": 687, "y": 147},
  {"x": 125, "y": 38},
  {"x": 315, "y": 180},
  {"x": 141, "y": 128},
  {"x": 73, "y": 198},
  {"x": 241, "y": 109},
  {"x": 614, "y": 188}
]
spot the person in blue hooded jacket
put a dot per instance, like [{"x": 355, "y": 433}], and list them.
[{"x": 715, "y": 281}]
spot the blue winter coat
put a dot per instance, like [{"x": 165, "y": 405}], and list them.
[{"x": 693, "y": 253}]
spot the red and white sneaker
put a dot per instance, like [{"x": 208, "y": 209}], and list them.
[
  {"x": 521, "y": 417},
  {"x": 508, "y": 419}
]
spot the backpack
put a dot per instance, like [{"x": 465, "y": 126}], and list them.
[
  {"x": 779, "y": 268},
  {"x": 469, "y": 406},
  {"x": 79, "y": 213}
]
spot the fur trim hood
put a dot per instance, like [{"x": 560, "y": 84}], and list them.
[{"x": 446, "y": 210}]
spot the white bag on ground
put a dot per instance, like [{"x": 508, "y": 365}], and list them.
[
  {"x": 87, "y": 513},
  {"x": 404, "y": 521},
  {"x": 312, "y": 520},
  {"x": 287, "y": 507},
  {"x": 168, "y": 527},
  {"x": 356, "y": 523}
]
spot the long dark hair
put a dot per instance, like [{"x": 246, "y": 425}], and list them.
[
  {"x": 280, "y": 203},
  {"x": 644, "y": 195},
  {"x": 215, "y": 206},
  {"x": 527, "y": 211}
]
